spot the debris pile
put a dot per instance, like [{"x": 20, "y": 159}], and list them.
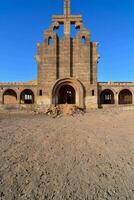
[{"x": 65, "y": 109}]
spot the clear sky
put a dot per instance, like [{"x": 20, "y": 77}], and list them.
[{"x": 22, "y": 23}]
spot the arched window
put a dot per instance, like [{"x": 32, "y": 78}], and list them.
[
  {"x": 93, "y": 93},
  {"x": 125, "y": 97},
  {"x": 74, "y": 30},
  {"x": 9, "y": 97},
  {"x": 59, "y": 31},
  {"x": 27, "y": 97},
  {"x": 50, "y": 41},
  {"x": 107, "y": 97},
  {"x": 83, "y": 40},
  {"x": 40, "y": 92}
]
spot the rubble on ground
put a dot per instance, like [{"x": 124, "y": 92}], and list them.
[{"x": 65, "y": 109}]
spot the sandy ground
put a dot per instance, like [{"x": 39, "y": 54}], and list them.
[{"x": 88, "y": 157}]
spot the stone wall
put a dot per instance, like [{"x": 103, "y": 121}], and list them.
[
  {"x": 67, "y": 58},
  {"x": 10, "y": 93},
  {"x": 116, "y": 88}
]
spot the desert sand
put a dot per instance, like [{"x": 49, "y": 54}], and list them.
[{"x": 80, "y": 157}]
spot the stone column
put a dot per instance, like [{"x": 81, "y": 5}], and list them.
[
  {"x": 116, "y": 98},
  {"x": 133, "y": 98},
  {"x": 67, "y": 56},
  {"x": 1, "y": 96}
]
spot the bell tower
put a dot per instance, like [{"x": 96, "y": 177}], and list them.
[{"x": 67, "y": 58}]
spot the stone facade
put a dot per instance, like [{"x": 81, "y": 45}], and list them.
[
  {"x": 67, "y": 71},
  {"x": 64, "y": 62}
]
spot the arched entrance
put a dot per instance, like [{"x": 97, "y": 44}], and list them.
[
  {"x": 107, "y": 97},
  {"x": 69, "y": 91},
  {"x": 125, "y": 97},
  {"x": 9, "y": 97},
  {"x": 27, "y": 97},
  {"x": 66, "y": 95}
]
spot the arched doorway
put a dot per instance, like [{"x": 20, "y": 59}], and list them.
[
  {"x": 69, "y": 91},
  {"x": 9, "y": 97},
  {"x": 27, "y": 97},
  {"x": 125, "y": 97},
  {"x": 66, "y": 95},
  {"x": 107, "y": 97}
]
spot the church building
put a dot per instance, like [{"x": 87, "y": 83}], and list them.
[{"x": 67, "y": 71}]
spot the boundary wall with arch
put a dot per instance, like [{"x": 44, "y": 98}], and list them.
[
  {"x": 17, "y": 93},
  {"x": 115, "y": 93},
  {"x": 109, "y": 93}
]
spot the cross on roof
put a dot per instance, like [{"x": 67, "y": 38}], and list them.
[
  {"x": 67, "y": 18},
  {"x": 67, "y": 8}
]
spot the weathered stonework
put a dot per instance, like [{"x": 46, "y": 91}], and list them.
[
  {"x": 68, "y": 60},
  {"x": 67, "y": 71}
]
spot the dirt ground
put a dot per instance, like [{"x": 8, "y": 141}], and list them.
[{"x": 80, "y": 157}]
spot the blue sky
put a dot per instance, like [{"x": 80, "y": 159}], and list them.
[{"x": 22, "y": 23}]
